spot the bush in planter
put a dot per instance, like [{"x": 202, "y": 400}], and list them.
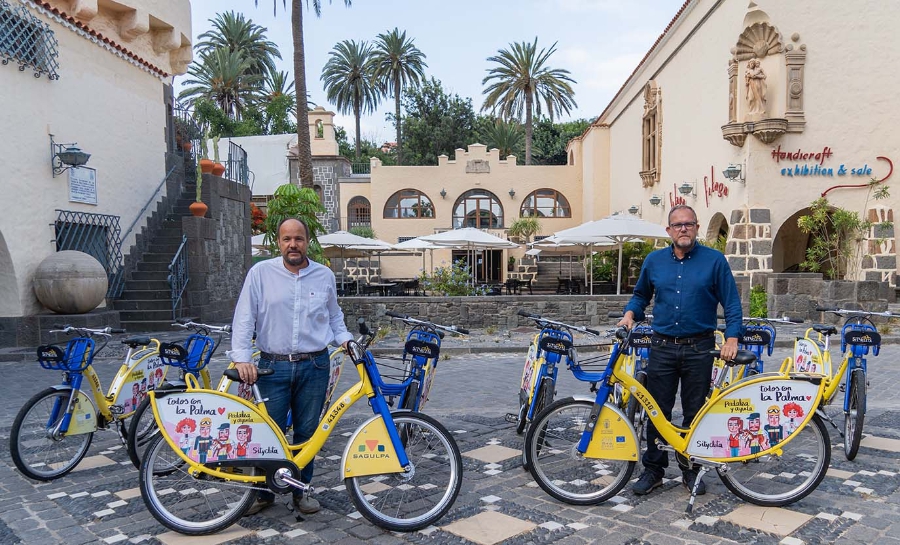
[
  {"x": 758, "y": 305},
  {"x": 453, "y": 280}
]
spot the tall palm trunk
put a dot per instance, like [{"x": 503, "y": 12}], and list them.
[
  {"x": 357, "y": 106},
  {"x": 529, "y": 130},
  {"x": 397, "y": 117},
  {"x": 304, "y": 148}
]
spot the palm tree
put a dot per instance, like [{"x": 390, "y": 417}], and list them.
[
  {"x": 398, "y": 63},
  {"x": 506, "y": 136},
  {"x": 235, "y": 33},
  {"x": 221, "y": 76},
  {"x": 349, "y": 83},
  {"x": 304, "y": 150},
  {"x": 522, "y": 81}
]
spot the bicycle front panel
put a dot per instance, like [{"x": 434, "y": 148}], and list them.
[
  {"x": 614, "y": 437},
  {"x": 754, "y": 416},
  {"x": 205, "y": 426}
]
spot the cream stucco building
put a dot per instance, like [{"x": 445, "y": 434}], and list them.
[
  {"x": 90, "y": 72},
  {"x": 746, "y": 111}
]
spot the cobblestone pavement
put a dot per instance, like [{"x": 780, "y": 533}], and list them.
[{"x": 858, "y": 502}]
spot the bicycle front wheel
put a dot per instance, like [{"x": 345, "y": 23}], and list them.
[
  {"x": 776, "y": 481},
  {"x": 544, "y": 397},
  {"x": 141, "y": 430},
  {"x": 35, "y": 450},
  {"x": 559, "y": 468},
  {"x": 404, "y": 502},
  {"x": 855, "y": 416},
  {"x": 187, "y": 504}
]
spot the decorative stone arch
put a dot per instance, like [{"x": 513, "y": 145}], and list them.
[
  {"x": 789, "y": 244},
  {"x": 10, "y": 302}
]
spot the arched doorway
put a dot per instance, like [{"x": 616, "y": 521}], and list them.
[
  {"x": 717, "y": 229},
  {"x": 9, "y": 303},
  {"x": 790, "y": 244}
]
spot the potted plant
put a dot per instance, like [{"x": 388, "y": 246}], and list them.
[
  {"x": 218, "y": 168},
  {"x": 511, "y": 264},
  {"x": 205, "y": 163}
]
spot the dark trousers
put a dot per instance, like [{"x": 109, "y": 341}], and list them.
[{"x": 671, "y": 364}]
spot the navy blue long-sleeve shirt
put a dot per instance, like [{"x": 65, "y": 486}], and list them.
[{"x": 687, "y": 292}]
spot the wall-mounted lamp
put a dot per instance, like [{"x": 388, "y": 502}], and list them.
[
  {"x": 512, "y": 193},
  {"x": 443, "y": 193},
  {"x": 635, "y": 210},
  {"x": 65, "y": 156},
  {"x": 655, "y": 200},
  {"x": 735, "y": 173},
  {"x": 688, "y": 188}
]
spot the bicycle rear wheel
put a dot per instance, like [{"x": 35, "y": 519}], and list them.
[
  {"x": 411, "y": 501},
  {"x": 855, "y": 417},
  {"x": 142, "y": 430},
  {"x": 776, "y": 481},
  {"x": 191, "y": 505},
  {"x": 34, "y": 450},
  {"x": 561, "y": 470}
]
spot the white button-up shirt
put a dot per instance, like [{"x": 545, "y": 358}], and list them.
[{"x": 289, "y": 312}]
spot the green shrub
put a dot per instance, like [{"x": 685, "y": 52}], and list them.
[
  {"x": 758, "y": 306},
  {"x": 453, "y": 280}
]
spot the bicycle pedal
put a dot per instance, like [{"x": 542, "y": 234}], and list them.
[{"x": 116, "y": 409}]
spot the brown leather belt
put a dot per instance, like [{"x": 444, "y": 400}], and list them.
[
  {"x": 295, "y": 357},
  {"x": 691, "y": 339}
]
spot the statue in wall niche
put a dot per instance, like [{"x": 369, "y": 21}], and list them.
[{"x": 755, "y": 79}]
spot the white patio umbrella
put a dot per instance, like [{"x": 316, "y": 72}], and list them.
[
  {"x": 619, "y": 228},
  {"x": 417, "y": 244},
  {"x": 471, "y": 239},
  {"x": 346, "y": 240}
]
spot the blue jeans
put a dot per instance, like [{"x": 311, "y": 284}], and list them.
[
  {"x": 298, "y": 386},
  {"x": 671, "y": 364}
]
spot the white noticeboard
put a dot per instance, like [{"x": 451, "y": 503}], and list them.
[{"x": 83, "y": 185}]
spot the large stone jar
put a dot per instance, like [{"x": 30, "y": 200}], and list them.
[{"x": 70, "y": 282}]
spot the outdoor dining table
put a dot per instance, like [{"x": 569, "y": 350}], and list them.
[{"x": 382, "y": 287}]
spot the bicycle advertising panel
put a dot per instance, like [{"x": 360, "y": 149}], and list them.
[
  {"x": 207, "y": 426},
  {"x": 139, "y": 375},
  {"x": 808, "y": 357},
  {"x": 530, "y": 371},
  {"x": 755, "y": 416}
]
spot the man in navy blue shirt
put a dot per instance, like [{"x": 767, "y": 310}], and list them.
[{"x": 687, "y": 282}]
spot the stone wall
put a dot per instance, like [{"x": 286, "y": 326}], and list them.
[
  {"x": 749, "y": 247},
  {"x": 880, "y": 260},
  {"x": 326, "y": 171},
  {"x": 799, "y": 294},
  {"x": 480, "y": 312},
  {"x": 218, "y": 250}
]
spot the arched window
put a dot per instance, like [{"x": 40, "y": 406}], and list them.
[
  {"x": 546, "y": 203},
  {"x": 359, "y": 212},
  {"x": 408, "y": 203},
  {"x": 478, "y": 208}
]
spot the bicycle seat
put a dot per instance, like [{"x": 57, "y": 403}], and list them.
[
  {"x": 824, "y": 329},
  {"x": 135, "y": 342},
  {"x": 233, "y": 373},
  {"x": 743, "y": 357}
]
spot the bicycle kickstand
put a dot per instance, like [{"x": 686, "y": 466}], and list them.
[
  {"x": 821, "y": 412},
  {"x": 690, "y": 508}
]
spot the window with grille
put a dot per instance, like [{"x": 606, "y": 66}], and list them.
[{"x": 27, "y": 41}]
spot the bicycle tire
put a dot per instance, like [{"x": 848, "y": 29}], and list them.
[
  {"x": 409, "y": 404},
  {"x": 189, "y": 505},
  {"x": 141, "y": 431},
  {"x": 544, "y": 397},
  {"x": 559, "y": 469},
  {"x": 34, "y": 453},
  {"x": 408, "y": 502},
  {"x": 776, "y": 481},
  {"x": 855, "y": 417}
]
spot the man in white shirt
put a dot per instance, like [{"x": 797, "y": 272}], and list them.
[{"x": 292, "y": 305}]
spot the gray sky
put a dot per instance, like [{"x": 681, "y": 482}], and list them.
[{"x": 599, "y": 41}]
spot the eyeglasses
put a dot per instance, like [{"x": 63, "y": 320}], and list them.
[{"x": 683, "y": 226}]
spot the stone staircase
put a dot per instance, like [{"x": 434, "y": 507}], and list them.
[
  {"x": 549, "y": 273},
  {"x": 146, "y": 300}
]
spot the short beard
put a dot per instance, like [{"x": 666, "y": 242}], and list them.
[
  {"x": 295, "y": 262},
  {"x": 686, "y": 248}
]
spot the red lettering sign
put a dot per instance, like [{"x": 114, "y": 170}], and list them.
[{"x": 801, "y": 155}]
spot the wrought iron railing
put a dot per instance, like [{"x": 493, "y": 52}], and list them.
[
  {"x": 185, "y": 136},
  {"x": 361, "y": 168},
  {"x": 27, "y": 41},
  {"x": 178, "y": 276},
  {"x": 152, "y": 199},
  {"x": 97, "y": 235},
  {"x": 236, "y": 168}
]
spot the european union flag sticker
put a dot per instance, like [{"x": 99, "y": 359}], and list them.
[{"x": 620, "y": 439}]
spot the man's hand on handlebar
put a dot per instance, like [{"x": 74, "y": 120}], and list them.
[
  {"x": 627, "y": 321},
  {"x": 729, "y": 349},
  {"x": 247, "y": 371}
]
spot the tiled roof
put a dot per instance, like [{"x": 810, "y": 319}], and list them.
[{"x": 62, "y": 16}]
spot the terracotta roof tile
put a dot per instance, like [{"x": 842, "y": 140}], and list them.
[{"x": 152, "y": 67}]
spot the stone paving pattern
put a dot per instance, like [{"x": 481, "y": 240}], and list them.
[{"x": 474, "y": 388}]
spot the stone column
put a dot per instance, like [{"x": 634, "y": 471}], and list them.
[
  {"x": 879, "y": 261},
  {"x": 749, "y": 248}
]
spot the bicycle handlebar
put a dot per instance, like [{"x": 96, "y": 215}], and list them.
[
  {"x": 541, "y": 320},
  {"x": 849, "y": 312},
  {"x": 190, "y": 324},
  {"x": 86, "y": 331},
  {"x": 415, "y": 321}
]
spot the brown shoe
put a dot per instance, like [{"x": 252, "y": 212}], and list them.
[{"x": 306, "y": 505}]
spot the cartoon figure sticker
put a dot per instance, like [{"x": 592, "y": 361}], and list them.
[{"x": 207, "y": 427}]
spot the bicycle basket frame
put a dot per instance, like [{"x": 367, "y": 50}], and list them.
[{"x": 78, "y": 355}]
